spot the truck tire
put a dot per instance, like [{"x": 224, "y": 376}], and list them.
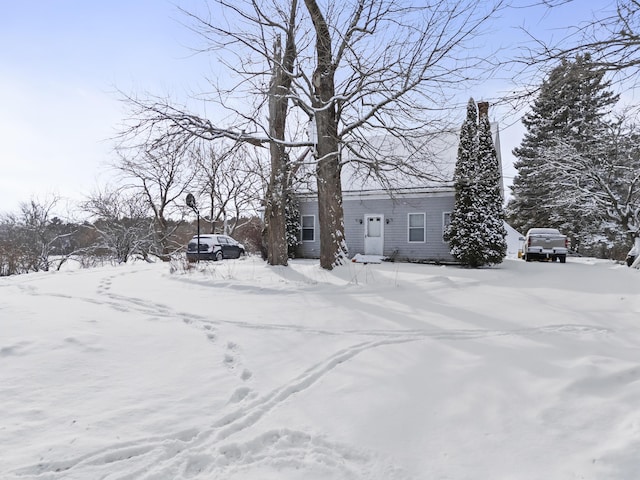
[
  {"x": 563, "y": 258},
  {"x": 527, "y": 257}
]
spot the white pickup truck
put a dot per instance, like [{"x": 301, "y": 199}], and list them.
[{"x": 545, "y": 244}]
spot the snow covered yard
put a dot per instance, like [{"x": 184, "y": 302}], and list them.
[{"x": 371, "y": 371}]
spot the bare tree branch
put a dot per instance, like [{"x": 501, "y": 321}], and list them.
[{"x": 611, "y": 38}]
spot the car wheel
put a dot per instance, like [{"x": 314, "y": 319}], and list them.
[
  {"x": 219, "y": 256},
  {"x": 563, "y": 258}
]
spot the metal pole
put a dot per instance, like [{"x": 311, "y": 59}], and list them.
[
  {"x": 198, "y": 222},
  {"x": 191, "y": 203}
]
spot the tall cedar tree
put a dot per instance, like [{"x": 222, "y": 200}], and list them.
[
  {"x": 570, "y": 109},
  {"x": 476, "y": 234}
]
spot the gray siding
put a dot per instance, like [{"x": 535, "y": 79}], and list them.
[{"x": 396, "y": 226}]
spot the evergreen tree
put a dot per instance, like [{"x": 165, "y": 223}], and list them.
[
  {"x": 489, "y": 195},
  {"x": 476, "y": 234},
  {"x": 292, "y": 225},
  {"x": 570, "y": 109}
]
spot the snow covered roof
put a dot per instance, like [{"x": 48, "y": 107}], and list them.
[{"x": 437, "y": 157}]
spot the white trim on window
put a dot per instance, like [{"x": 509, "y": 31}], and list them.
[
  {"x": 308, "y": 228},
  {"x": 417, "y": 227}
]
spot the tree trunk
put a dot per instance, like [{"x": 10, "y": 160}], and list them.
[
  {"x": 279, "y": 181},
  {"x": 333, "y": 249},
  {"x": 162, "y": 232},
  {"x": 275, "y": 218},
  {"x": 330, "y": 213}
]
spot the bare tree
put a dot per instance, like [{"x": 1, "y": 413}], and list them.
[
  {"x": 279, "y": 179},
  {"x": 160, "y": 174},
  {"x": 248, "y": 129},
  {"x": 611, "y": 37},
  {"x": 29, "y": 239},
  {"x": 40, "y": 238},
  {"x": 333, "y": 249},
  {"x": 122, "y": 223},
  {"x": 230, "y": 179},
  {"x": 399, "y": 70}
]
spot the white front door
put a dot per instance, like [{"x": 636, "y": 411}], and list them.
[{"x": 373, "y": 234}]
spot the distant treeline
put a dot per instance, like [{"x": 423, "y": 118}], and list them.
[{"x": 32, "y": 243}]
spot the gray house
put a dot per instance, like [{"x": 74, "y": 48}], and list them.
[{"x": 407, "y": 226}]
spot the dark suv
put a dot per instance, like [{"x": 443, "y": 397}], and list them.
[{"x": 213, "y": 247}]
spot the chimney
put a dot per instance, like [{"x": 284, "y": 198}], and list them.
[{"x": 483, "y": 109}]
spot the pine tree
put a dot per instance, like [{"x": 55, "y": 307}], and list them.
[
  {"x": 489, "y": 195},
  {"x": 476, "y": 234},
  {"x": 570, "y": 110},
  {"x": 292, "y": 226}
]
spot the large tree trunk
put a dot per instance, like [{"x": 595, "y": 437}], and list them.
[
  {"x": 331, "y": 218},
  {"x": 279, "y": 181},
  {"x": 330, "y": 212},
  {"x": 275, "y": 220}
]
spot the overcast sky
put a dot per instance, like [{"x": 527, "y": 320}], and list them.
[{"x": 63, "y": 60}]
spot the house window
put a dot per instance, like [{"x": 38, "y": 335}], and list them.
[
  {"x": 417, "y": 227},
  {"x": 446, "y": 221},
  {"x": 308, "y": 228}
]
